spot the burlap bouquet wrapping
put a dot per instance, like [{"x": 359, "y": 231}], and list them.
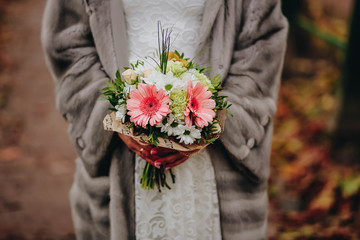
[{"x": 111, "y": 124}]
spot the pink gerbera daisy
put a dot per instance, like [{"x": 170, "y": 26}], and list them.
[
  {"x": 146, "y": 105},
  {"x": 199, "y": 105}
]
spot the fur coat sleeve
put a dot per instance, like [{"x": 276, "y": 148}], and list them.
[
  {"x": 79, "y": 77},
  {"x": 252, "y": 84}
]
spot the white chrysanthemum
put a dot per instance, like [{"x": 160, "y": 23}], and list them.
[
  {"x": 170, "y": 126},
  {"x": 166, "y": 82},
  {"x": 174, "y": 129},
  {"x": 188, "y": 134},
  {"x": 121, "y": 112},
  {"x": 190, "y": 76},
  {"x": 129, "y": 88},
  {"x": 165, "y": 123}
]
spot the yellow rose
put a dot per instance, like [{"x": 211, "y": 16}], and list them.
[
  {"x": 147, "y": 73},
  {"x": 130, "y": 76},
  {"x": 186, "y": 63},
  {"x": 173, "y": 55}
]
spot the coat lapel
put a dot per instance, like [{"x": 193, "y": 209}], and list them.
[{"x": 118, "y": 26}]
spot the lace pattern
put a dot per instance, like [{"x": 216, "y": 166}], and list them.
[
  {"x": 184, "y": 16},
  {"x": 189, "y": 210}
]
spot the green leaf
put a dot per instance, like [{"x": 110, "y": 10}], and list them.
[
  {"x": 174, "y": 124},
  {"x": 216, "y": 80},
  {"x": 177, "y": 53},
  {"x": 212, "y": 140},
  {"x": 118, "y": 74},
  {"x": 168, "y": 87},
  {"x": 230, "y": 113}
]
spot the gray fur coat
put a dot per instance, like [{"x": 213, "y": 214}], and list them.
[{"x": 84, "y": 47}]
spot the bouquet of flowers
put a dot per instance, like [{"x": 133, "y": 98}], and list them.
[{"x": 172, "y": 105}]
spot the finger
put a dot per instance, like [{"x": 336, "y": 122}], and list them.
[
  {"x": 146, "y": 156},
  {"x": 123, "y": 137},
  {"x": 144, "y": 153},
  {"x": 168, "y": 159},
  {"x": 174, "y": 164},
  {"x": 128, "y": 141},
  {"x": 153, "y": 157},
  {"x": 186, "y": 154},
  {"x": 162, "y": 152},
  {"x": 150, "y": 161},
  {"x": 189, "y": 153}
]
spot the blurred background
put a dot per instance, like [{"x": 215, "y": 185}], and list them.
[{"x": 314, "y": 189}]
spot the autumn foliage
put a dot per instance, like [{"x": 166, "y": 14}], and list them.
[{"x": 313, "y": 195}]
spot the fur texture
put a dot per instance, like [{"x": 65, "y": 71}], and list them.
[{"x": 83, "y": 47}]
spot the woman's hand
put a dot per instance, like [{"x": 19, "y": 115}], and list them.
[
  {"x": 143, "y": 150},
  {"x": 170, "y": 158},
  {"x": 156, "y": 156}
]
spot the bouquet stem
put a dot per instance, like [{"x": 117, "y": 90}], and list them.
[{"x": 155, "y": 176}]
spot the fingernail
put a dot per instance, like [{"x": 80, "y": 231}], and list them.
[
  {"x": 157, "y": 164},
  {"x": 167, "y": 168},
  {"x": 153, "y": 152}
]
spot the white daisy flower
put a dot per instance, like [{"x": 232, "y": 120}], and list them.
[
  {"x": 190, "y": 76},
  {"x": 165, "y": 123},
  {"x": 188, "y": 134},
  {"x": 170, "y": 126},
  {"x": 174, "y": 129},
  {"x": 129, "y": 88},
  {"x": 166, "y": 82}
]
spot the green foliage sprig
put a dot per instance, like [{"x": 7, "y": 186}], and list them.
[
  {"x": 192, "y": 64},
  {"x": 114, "y": 91},
  {"x": 221, "y": 101},
  {"x": 135, "y": 66},
  {"x": 164, "y": 41}
]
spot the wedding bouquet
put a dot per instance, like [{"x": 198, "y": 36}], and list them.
[{"x": 171, "y": 105}]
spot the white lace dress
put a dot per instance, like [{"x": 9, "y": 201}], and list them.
[{"x": 190, "y": 210}]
